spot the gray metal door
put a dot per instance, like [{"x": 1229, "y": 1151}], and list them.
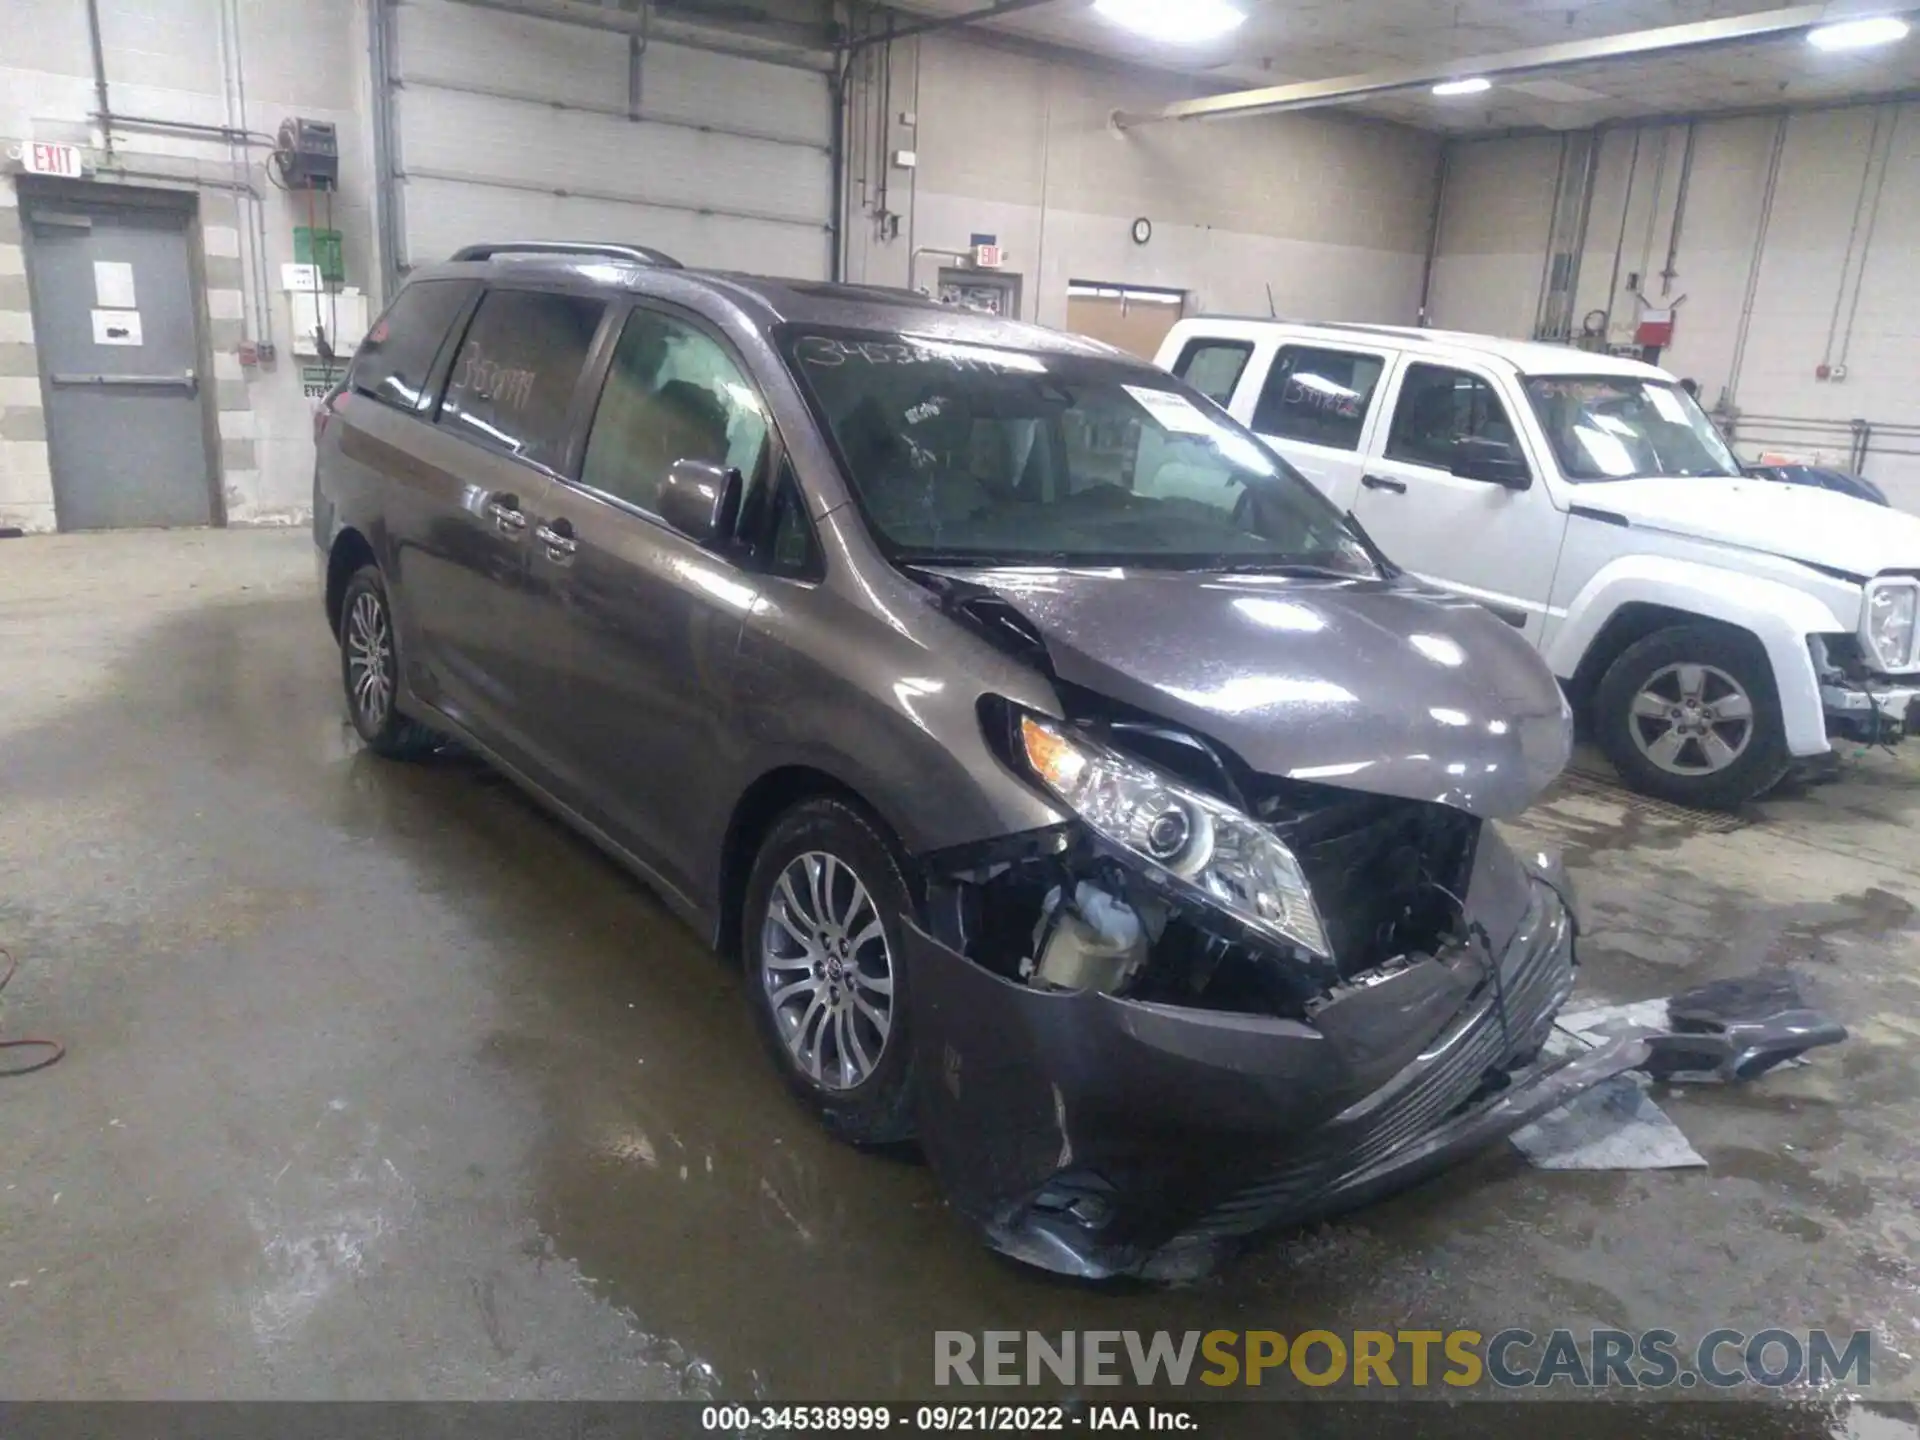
[{"x": 113, "y": 315}]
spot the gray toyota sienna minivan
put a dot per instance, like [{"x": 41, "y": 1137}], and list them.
[{"x": 1082, "y": 795}]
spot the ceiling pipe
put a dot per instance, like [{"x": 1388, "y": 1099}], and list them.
[{"x": 1311, "y": 94}]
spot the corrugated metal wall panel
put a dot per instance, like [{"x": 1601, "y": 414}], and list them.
[
  {"x": 728, "y": 165},
  {"x": 588, "y": 153},
  {"x": 442, "y": 41},
  {"x": 696, "y": 85},
  {"x": 444, "y": 215}
]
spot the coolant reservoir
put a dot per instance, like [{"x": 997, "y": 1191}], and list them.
[{"x": 1096, "y": 945}]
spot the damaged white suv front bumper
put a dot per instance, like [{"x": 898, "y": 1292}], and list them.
[{"x": 1874, "y": 712}]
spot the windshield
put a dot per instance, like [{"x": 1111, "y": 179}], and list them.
[
  {"x": 971, "y": 455},
  {"x": 1617, "y": 427}
]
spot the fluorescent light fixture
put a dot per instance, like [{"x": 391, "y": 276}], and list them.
[
  {"x": 1473, "y": 85},
  {"x": 1178, "y": 22},
  {"x": 1859, "y": 34}
]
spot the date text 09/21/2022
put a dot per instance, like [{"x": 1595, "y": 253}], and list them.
[{"x": 948, "y": 1419}]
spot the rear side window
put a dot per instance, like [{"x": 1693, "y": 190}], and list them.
[
  {"x": 513, "y": 380},
  {"x": 1439, "y": 407},
  {"x": 1213, "y": 366},
  {"x": 392, "y": 363},
  {"x": 1319, "y": 396}
]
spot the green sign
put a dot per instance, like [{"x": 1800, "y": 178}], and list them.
[{"x": 317, "y": 380}]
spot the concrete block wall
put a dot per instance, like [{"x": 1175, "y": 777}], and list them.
[
  {"x": 163, "y": 60},
  {"x": 1322, "y": 215},
  {"x": 26, "y": 481},
  {"x": 1797, "y": 236}
]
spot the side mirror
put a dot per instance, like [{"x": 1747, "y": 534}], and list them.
[
  {"x": 1493, "y": 461},
  {"x": 700, "y": 500}
]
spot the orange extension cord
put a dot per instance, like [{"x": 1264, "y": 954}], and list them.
[{"x": 56, "y": 1049}]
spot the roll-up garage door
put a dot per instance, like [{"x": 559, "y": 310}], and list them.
[{"x": 511, "y": 127}]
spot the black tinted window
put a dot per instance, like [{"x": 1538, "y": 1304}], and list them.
[
  {"x": 1320, "y": 396},
  {"x": 1213, "y": 366},
  {"x": 673, "y": 393},
  {"x": 513, "y": 380},
  {"x": 393, "y": 361},
  {"x": 1438, "y": 407}
]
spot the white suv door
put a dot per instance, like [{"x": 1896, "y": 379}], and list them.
[
  {"x": 1315, "y": 404},
  {"x": 1495, "y": 538}
]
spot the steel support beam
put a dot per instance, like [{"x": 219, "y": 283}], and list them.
[{"x": 1309, "y": 94}]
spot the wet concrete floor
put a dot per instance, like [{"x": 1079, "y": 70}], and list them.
[{"x": 383, "y": 1084}]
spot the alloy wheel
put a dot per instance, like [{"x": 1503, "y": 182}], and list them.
[
  {"x": 1691, "y": 719},
  {"x": 370, "y": 667},
  {"x": 828, "y": 970}
]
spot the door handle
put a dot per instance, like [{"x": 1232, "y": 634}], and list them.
[
  {"x": 1383, "y": 482},
  {"x": 506, "y": 514},
  {"x": 558, "y": 538}
]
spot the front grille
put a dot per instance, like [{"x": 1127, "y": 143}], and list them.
[{"x": 1368, "y": 1135}]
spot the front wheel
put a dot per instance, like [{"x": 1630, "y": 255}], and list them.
[
  {"x": 1690, "y": 714},
  {"x": 824, "y": 972}
]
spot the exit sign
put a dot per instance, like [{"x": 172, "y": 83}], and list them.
[{"x": 43, "y": 159}]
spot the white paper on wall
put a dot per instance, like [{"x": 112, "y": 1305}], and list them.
[{"x": 113, "y": 285}]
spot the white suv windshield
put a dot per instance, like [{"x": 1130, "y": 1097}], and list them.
[
  {"x": 971, "y": 454},
  {"x": 1617, "y": 427}
]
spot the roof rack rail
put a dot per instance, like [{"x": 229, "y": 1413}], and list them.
[{"x": 641, "y": 254}]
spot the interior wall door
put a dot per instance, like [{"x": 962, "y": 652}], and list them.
[
  {"x": 113, "y": 316},
  {"x": 1136, "y": 326}
]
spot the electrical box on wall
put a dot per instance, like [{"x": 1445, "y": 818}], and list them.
[
  {"x": 307, "y": 153},
  {"x": 341, "y": 318},
  {"x": 991, "y": 293}
]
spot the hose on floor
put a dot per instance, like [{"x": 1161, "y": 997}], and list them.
[{"x": 53, "y": 1048}]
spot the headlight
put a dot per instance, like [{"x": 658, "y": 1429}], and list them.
[
  {"x": 1202, "y": 844},
  {"x": 1887, "y": 627}
]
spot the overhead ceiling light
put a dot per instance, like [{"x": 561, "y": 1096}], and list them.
[
  {"x": 1859, "y": 34},
  {"x": 1473, "y": 85},
  {"x": 1179, "y": 22}
]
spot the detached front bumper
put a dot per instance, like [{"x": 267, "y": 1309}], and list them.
[
  {"x": 1877, "y": 712},
  {"x": 1094, "y": 1135}
]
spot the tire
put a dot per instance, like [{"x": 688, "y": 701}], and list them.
[
  {"x": 370, "y": 671},
  {"x": 1699, "y": 674},
  {"x": 823, "y": 1037}
]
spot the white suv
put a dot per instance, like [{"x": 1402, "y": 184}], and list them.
[{"x": 1713, "y": 626}]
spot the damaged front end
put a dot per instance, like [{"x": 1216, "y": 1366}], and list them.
[
  {"x": 1157, "y": 1029},
  {"x": 1276, "y": 962}
]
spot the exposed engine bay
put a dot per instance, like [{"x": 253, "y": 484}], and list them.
[{"x": 1388, "y": 875}]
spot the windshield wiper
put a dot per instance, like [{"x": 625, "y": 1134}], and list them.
[
  {"x": 975, "y": 560},
  {"x": 1294, "y": 568}
]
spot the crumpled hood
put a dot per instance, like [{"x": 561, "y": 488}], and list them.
[
  {"x": 1381, "y": 687},
  {"x": 1817, "y": 527}
]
